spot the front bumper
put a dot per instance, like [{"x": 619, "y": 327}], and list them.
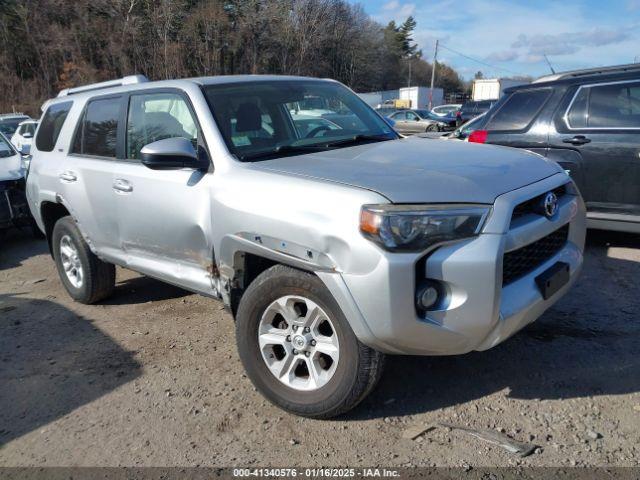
[
  {"x": 478, "y": 312},
  {"x": 14, "y": 210}
]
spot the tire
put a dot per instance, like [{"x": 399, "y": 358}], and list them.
[
  {"x": 340, "y": 384},
  {"x": 97, "y": 279},
  {"x": 432, "y": 128}
]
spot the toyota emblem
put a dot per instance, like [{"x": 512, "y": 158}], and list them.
[{"x": 550, "y": 204}]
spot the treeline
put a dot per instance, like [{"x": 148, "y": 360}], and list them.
[{"x": 47, "y": 45}]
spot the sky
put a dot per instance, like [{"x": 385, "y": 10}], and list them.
[{"x": 513, "y": 36}]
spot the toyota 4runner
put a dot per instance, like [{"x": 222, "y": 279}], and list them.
[{"x": 331, "y": 240}]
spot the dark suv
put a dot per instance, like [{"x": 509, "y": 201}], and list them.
[{"x": 589, "y": 122}]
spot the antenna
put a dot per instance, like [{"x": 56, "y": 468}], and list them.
[{"x": 549, "y": 63}]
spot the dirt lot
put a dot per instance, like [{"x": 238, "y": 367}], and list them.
[{"x": 152, "y": 377}]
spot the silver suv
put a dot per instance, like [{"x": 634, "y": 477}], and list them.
[{"x": 331, "y": 240}]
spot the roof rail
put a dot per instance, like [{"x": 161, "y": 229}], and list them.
[
  {"x": 129, "y": 80},
  {"x": 588, "y": 71}
]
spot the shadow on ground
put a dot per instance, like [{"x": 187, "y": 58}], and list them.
[
  {"x": 19, "y": 245},
  {"x": 52, "y": 361},
  {"x": 143, "y": 290},
  {"x": 588, "y": 344}
]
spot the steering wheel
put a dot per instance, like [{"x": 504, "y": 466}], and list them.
[{"x": 317, "y": 130}]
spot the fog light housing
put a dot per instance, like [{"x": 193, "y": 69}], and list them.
[{"x": 427, "y": 296}]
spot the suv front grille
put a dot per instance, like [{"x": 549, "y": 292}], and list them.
[
  {"x": 518, "y": 263},
  {"x": 534, "y": 205}
]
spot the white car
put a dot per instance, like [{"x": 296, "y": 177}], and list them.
[
  {"x": 23, "y": 136},
  {"x": 444, "y": 110}
]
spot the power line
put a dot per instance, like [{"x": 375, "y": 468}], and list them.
[{"x": 478, "y": 61}]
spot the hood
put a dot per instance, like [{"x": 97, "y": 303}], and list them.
[
  {"x": 416, "y": 170},
  {"x": 11, "y": 168}
]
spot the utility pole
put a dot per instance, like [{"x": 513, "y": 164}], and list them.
[
  {"x": 409, "y": 81},
  {"x": 433, "y": 75}
]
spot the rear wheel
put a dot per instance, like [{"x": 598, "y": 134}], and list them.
[
  {"x": 86, "y": 278},
  {"x": 298, "y": 348}
]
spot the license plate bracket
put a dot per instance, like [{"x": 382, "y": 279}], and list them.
[{"x": 553, "y": 279}]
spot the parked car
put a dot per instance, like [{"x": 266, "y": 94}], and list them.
[
  {"x": 445, "y": 110},
  {"x": 446, "y": 122},
  {"x": 413, "y": 121},
  {"x": 14, "y": 210},
  {"x": 472, "y": 109},
  {"x": 9, "y": 123},
  {"x": 589, "y": 122},
  {"x": 330, "y": 247},
  {"x": 21, "y": 139}
]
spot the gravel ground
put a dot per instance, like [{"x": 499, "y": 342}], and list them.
[{"x": 151, "y": 378}]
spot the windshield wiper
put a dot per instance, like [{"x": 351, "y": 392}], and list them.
[
  {"x": 283, "y": 149},
  {"x": 359, "y": 138}
]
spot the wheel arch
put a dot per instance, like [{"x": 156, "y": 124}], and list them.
[
  {"x": 243, "y": 257},
  {"x": 51, "y": 212}
]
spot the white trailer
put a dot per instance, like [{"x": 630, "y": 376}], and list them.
[
  {"x": 419, "y": 96},
  {"x": 492, "y": 88}
]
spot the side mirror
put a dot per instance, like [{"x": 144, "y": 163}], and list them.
[{"x": 171, "y": 154}]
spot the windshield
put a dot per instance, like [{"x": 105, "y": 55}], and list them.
[
  {"x": 270, "y": 119},
  {"x": 9, "y": 126},
  {"x": 6, "y": 150}
]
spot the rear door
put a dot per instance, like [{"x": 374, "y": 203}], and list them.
[
  {"x": 599, "y": 128},
  {"x": 164, "y": 216},
  {"x": 87, "y": 177},
  {"x": 400, "y": 119}
]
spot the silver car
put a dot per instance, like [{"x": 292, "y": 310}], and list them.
[
  {"x": 331, "y": 245},
  {"x": 417, "y": 121}
]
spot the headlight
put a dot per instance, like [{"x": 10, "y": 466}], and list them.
[{"x": 417, "y": 227}]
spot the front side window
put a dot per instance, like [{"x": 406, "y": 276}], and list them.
[
  {"x": 269, "y": 119},
  {"x": 97, "y": 134},
  {"x": 518, "y": 110},
  {"x": 51, "y": 126},
  {"x": 610, "y": 106},
  {"x": 157, "y": 116}
]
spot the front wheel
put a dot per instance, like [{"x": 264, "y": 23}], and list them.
[
  {"x": 298, "y": 348},
  {"x": 432, "y": 128},
  {"x": 86, "y": 278}
]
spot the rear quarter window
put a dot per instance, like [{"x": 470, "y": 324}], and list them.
[
  {"x": 51, "y": 125},
  {"x": 519, "y": 110}
]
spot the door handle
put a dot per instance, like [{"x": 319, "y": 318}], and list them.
[
  {"x": 577, "y": 140},
  {"x": 68, "y": 176},
  {"x": 122, "y": 186}
]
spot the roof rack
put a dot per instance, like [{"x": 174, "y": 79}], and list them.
[
  {"x": 129, "y": 80},
  {"x": 588, "y": 71}
]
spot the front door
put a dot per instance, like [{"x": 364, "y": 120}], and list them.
[
  {"x": 164, "y": 215},
  {"x": 600, "y": 132}
]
